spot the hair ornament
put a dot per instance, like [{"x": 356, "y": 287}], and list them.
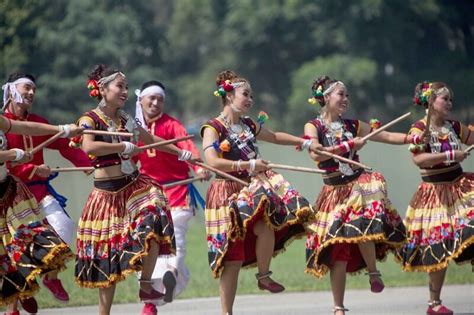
[
  {"x": 93, "y": 87},
  {"x": 224, "y": 87},
  {"x": 422, "y": 97}
]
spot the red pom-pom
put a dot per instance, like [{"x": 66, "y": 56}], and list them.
[
  {"x": 92, "y": 85},
  {"x": 227, "y": 87},
  {"x": 94, "y": 93}
]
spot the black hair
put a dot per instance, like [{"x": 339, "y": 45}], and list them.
[
  {"x": 152, "y": 83},
  {"x": 18, "y": 75}
]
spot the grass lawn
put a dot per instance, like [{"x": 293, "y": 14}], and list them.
[{"x": 287, "y": 267}]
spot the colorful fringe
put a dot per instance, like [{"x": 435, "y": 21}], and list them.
[
  {"x": 116, "y": 230},
  {"x": 440, "y": 224},
  {"x": 353, "y": 213},
  {"x": 30, "y": 247},
  {"x": 232, "y": 210}
]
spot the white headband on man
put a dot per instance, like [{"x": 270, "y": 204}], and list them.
[
  {"x": 154, "y": 89},
  {"x": 9, "y": 88}
]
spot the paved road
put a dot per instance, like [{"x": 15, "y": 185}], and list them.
[{"x": 410, "y": 300}]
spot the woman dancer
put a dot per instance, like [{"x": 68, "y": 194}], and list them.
[
  {"x": 257, "y": 222},
  {"x": 126, "y": 221},
  {"x": 440, "y": 216},
  {"x": 355, "y": 222}
]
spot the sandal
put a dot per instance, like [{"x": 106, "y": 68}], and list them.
[{"x": 339, "y": 308}]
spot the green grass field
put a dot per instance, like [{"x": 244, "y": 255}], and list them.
[{"x": 394, "y": 162}]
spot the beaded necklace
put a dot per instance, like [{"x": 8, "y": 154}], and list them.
[
  {"x": 241, "y": 136},
  {"x": 335, "y": 133},
  {"x": 126, "y": 166},
  {"x": 446, "y": 132}
]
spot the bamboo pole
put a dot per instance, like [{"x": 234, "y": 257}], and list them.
[
  {"x": 107, "y": 133},
  {"x": 386, "y": 126},
  {"x": 161, "y": 143},
  {"x": 296, "y": 168},
  {"x": 183, "y": 182},
  {"x": 71, "y": 169},
  {"x": 343, "y": 159},
  {"x": 469, "y": 149},
  {"x": 428, "y": 119},
  {"x": 221, "y": 173},
  {"x": 42, "y": 145}
]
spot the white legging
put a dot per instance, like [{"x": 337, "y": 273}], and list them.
[
  {"x": 169, "y": 262},
  {"x": 58, "y": 219}
]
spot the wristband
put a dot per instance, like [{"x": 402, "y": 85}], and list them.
[
  {"x": 344, "y": 147},
  {"x": 66, "y": 129},
  {"x": 19, "y": 154},
  {"x": 129, "y": 147},
  {"x": 306, "y": 144},
  {"x": 449, "y": 156},
  {"x": 185, "y": 155},
  {"x": 239, "y": 168},
  {"x": 252, "y": 165},
  {"x": 416, "y": 139},
  {"x": 351, "y": 144}
]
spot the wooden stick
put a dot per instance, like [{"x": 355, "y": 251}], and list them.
[
  {"x": 47, "y": 142},
  {"x": 71, "y": 169},
  {"x": 296, "y": 168},
  {"x": 428, "y": 120},
  {"x": 343, "y": 159},
  {"x": 183, "y": 182},
  {"x": 469, "y": 149},
  {"x": 107, "y": 133},
  {"x": 386, "y": 126},
  {"x": 161, "y": 143},
  {"x": 221, "y": 173}
]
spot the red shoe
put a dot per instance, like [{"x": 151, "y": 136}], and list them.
[
  {"x": 273, "y": 287},
  {"x": 12, "y": 313},
  {"x": 29, "y": 305},
  {"x": 441, "y": 310},
  {"x": 149, "y": 309},
  {"x": 56, "y": 288},
  {"x": 152, "y": 295},
  {"x": 376, "y": 284}
]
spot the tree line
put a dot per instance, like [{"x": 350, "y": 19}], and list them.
[{"x": 380, "y": 49}]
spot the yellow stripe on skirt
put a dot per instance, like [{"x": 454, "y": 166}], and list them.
[
  {"x": 356, "y": 212},
  {"x": 440, "y": 225},
  {"x": 115, "y": 231}
]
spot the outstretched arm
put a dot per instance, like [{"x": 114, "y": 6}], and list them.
[{"x": 385, "y": 136}]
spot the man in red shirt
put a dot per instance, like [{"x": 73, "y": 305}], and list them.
[
  {"x": 165, "y": 168},
  {"x": 36, "y": 175}
]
